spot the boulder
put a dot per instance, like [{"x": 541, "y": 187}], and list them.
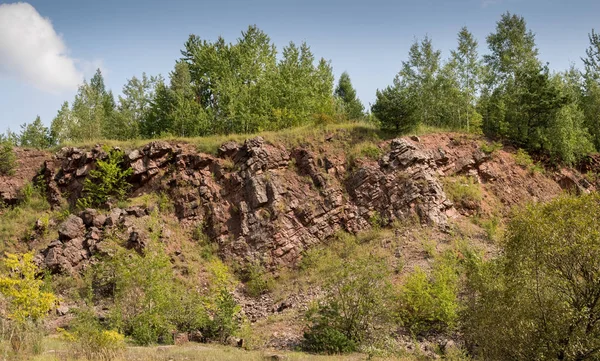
[
  {"x": 88, "y": 216},
  {"x": 71, "y": 228}
]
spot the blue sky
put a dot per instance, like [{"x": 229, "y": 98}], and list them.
[{"x": 369, "y": 39}]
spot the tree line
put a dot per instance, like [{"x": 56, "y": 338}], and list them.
[
  {"x": 242, "y": 87},
  {"x": 214, "y": 88},
  {"x": 508, "y": 93}
]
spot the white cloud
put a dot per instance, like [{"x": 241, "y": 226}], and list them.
[{"x": 30, "y": 50}]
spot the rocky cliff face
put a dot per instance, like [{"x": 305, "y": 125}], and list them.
[
  {"x": 259, "y": 201},
  {"x": 263, "y": 202}
]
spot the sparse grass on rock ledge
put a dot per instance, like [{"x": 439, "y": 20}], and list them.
[{"x": 287, "y": 137}]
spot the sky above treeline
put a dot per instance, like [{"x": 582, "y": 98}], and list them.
[{"x": 48, "y": 47}]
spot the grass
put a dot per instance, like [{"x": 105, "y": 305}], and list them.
[
  {"x": 523, "y": 159},
  {"x": 210, "y": 144},
  {"x": 429, "y": 129},
  {"x": 463, "y": 190},
  {"x": 17, "y": 222},
  {"x": 57, "y": 350},
  {"x": 367, "y": 149}
]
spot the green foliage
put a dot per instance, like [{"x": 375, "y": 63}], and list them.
[
  {"x": 17, "y": 222},
  {"x": 395, "y": 110},
  {"x": 144, "y": 294},
  {"x": 323, "y": 338},
  {"x": 463, "y": 190},
  {"x": 430, "y": 302},
  {"x": 8, "y": 159},
  {"x": 23, "y": 292},
  {"x": 491, "y": 148},
  {"x": 222, "y": 88},
  {"x": 523, "y": 159},
  {"x": 376, "y": 221},
  {"x": 466, "y": 64},
  {"x": 91, "y": 114},
  {"x": 352, "y": 107},
  {"x": 25, "y": 301},
  {"x": 106, "y": 181},
  {"x": 91, "y": 341},
  {"x": 539, "y": 300},
  {"x": 356, "y": 304},
  {"x": 590, "y": 89},
  {"x": 258, "y": 280},
  {"x": 35, "y": 135},
  {"x": 493, "y": 227},
  {"x": 150, "y": 302},
  {"x": 523, "y": 103},
  {"x": 224, "y": 321}
]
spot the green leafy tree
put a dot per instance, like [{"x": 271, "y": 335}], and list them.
[
  {"x": 541, "y": 299},
  {"x": 591, "y": 88},
  {"x": 512, "y": 48},
  {"x": 523, "y": 103},
  {"x": 174, "y": 109},
  {"x": 241, "y": 87},
  {"x": 419, "y": 77},
  {"x": 92, "y": 110},
  {"x": 512, "y": 59},
  {"x": 35, "y": 135},
  {"x": 62, "y": 126},
  {"x": 133, "y": 108},
  {"x": 353, "y": 108},
  {"x": 567, "y": 138},
  {"x": 430, "y": 302},
  {"x": 466, "y": 66}
]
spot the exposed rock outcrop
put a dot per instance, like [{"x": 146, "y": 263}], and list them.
[
  {"x": 259, "y": 201},
  {"x": 82, "y": 236},
  {"x": 262, "y": 202},
  {"x": 29, "y": 162}
]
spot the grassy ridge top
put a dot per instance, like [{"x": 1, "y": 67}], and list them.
[{"x": 292, "y": 137}]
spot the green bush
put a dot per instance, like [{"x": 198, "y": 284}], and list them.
[
  {"x": 490, "y": 148},
  {"x": 357, "y": 303},
  {"x": 540, "y": 300},
  {"x": 144, "y": 295},
  {"x": 258, "y": 280},
  {"x": 8, "y": 159},
  {"x": 463, "y": 191},
  {"x": 107, "y": 181},
  {"x": 523, "y": 159},
  {"x": 91, "y": 341},
  {"x": 224, "y": 321},
  {"x": 323, "y": 338},
  {"x": 149, "y": 303},
  {"x": 24, "y": 304},
  {"x": 430, "y": 302}
]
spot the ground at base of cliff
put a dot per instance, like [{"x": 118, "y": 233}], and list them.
[{"x": 56, "y": 350}]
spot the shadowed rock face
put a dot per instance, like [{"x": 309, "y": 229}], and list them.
[
  {"x": 256, "y": 200},
  {"x": 29, "y": 162}
]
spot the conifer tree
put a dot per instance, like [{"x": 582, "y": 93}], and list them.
[{"x": 353, "y": 108}]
